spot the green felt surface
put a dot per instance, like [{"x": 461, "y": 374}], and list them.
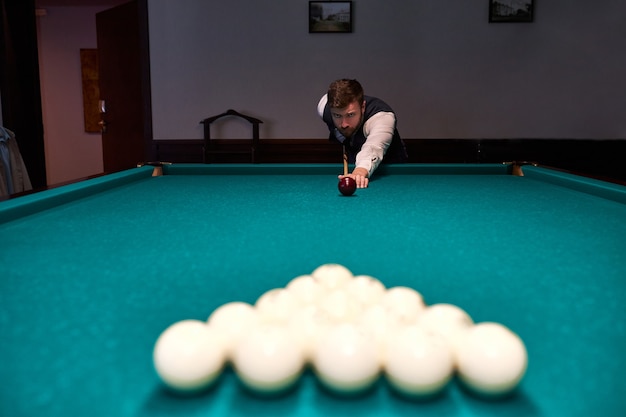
[{"x": 87, "y": 285}]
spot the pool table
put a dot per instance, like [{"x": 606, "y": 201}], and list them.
[{"x": 91, "y": 273}]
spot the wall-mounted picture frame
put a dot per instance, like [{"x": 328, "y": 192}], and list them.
[
  {"x": 330, "y": 17},
  {"x": 505, "y": 11}
]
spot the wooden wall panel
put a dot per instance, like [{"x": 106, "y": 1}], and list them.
[{"x": 597, "y": 158}]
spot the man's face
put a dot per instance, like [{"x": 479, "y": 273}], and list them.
[{"x": 348, "y": 119}]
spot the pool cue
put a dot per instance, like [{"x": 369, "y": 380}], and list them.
[{"x": 345, "y": 161}]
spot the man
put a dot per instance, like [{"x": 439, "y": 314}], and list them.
[{"x": 365, "y": 125}]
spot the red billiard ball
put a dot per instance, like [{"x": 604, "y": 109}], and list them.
[{"x": 347, "y": 186}]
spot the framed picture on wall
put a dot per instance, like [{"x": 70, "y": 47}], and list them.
[
  {"x": 510, "y": 11},
  {"x": 330, "y": 17}
]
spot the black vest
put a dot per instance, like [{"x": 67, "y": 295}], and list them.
[{"x": 396, "y": 153}]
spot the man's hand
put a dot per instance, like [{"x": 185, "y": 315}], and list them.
[{"x": 360, "y": 177}]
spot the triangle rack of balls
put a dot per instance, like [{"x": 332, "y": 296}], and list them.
[{"x": 350, "y": 330}]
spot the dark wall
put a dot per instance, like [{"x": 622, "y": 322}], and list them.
[{"x": 19, "y": 84}]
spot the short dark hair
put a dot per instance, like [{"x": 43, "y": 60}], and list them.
[{"x": 343, "y": 92}]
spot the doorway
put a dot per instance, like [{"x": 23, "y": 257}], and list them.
[
  {"x": 124, "y": 80},
  {"x": 73, "y": 152}
]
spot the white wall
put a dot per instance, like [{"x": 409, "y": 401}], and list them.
[
  {"x": 71, "y": 153},
  {"x": 447, "y": 72}
]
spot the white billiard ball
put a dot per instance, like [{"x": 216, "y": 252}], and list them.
[
  {"x": 379, "y": 323},
  {"x": 346, "y": 360},
  {"x": 268, "y": 360},
  {"x": 365, "y": 289},
  {"x": 276, "y": 305},
  {"x": 189, "y": 355},
  {"x": 339, "y": 305},
  {"x": 417, "y": 362},
  {"x": 404, "y": 303},
  {"x": 446, "y": 319},
  {"x": 332, "y": 276},
  {"x": 306, "y": 289},
  {"x": 233, "y": 320},
  {"x": 491, "y": 359},
  {"x": 306, "y": 325}
]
